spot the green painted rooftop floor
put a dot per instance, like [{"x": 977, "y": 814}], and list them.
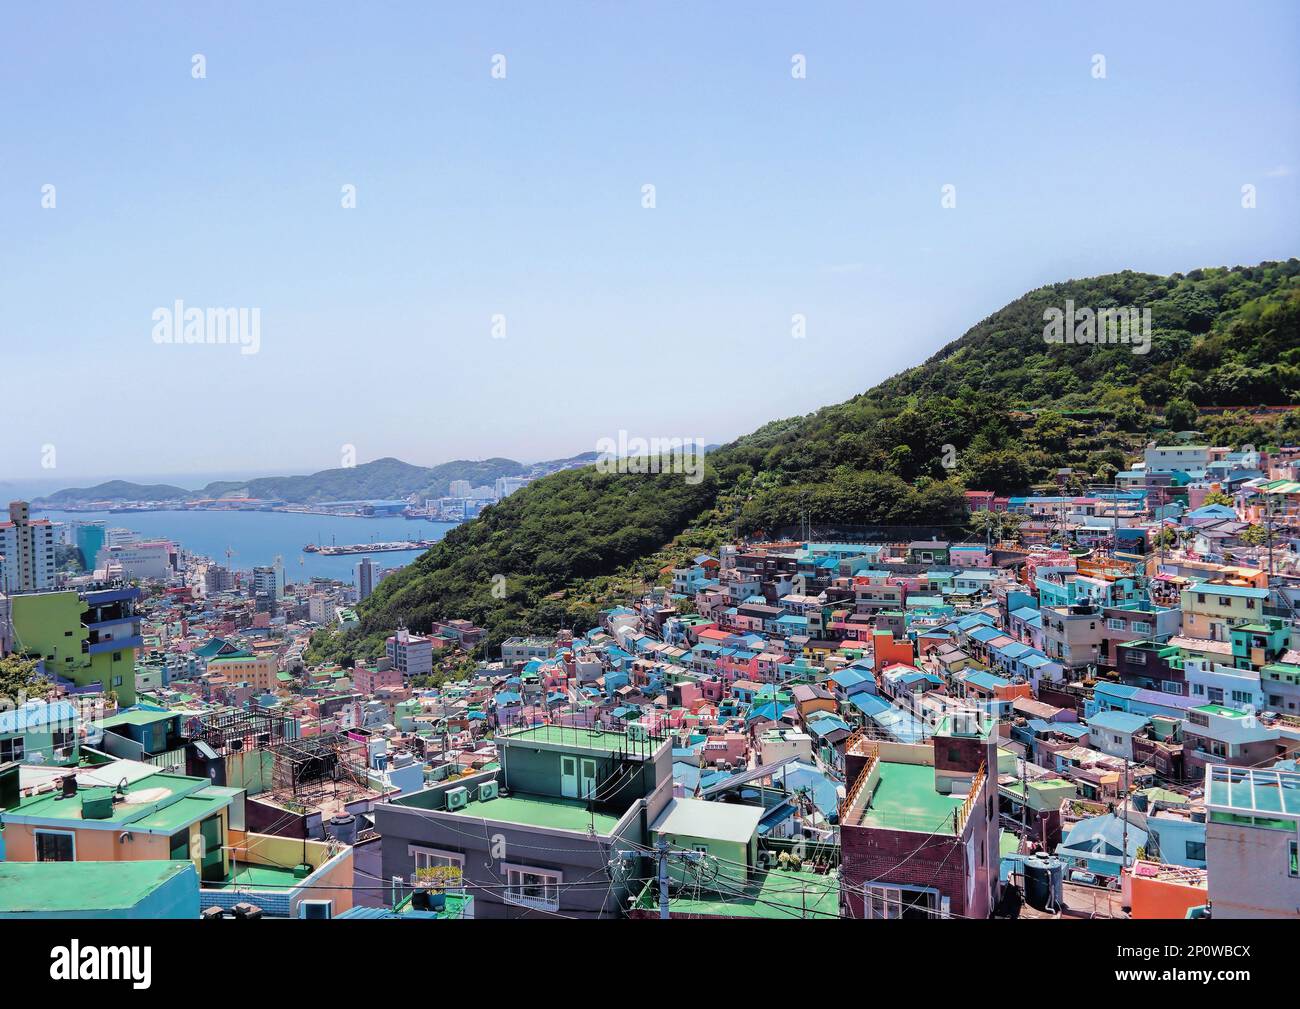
[
  {"x": 539, "y": 811},
  {"x": 36, "y": 887},
  {"x": 265, "y": 877},
  {"x": 775, "y": 894},
  {"x": 905, "y": 799},
  {"x": 578, "y": 738}
]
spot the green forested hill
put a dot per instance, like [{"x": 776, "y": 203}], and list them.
[{"x": 998, "y": 409}]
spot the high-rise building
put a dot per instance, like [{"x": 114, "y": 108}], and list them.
[
  {"x": 365, "y": 577},
  {"x": 89, "y": 538},
  {"x": 507, "y": 485},
  {"x": 268, "y": 586},
  {"x": 459, "y": 488},
  {"x": 27, "y": 547}
]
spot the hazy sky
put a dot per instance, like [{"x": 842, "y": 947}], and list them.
[{"x": 479, "y": 196}]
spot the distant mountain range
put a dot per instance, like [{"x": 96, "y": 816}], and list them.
[{"x": 382, "y": 479}]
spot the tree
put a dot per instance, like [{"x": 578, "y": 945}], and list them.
[
  {"x": 1254, "y": 535},
  {"x": 1181, "y": 414},
  {"x": 19, "y": 679},
  {"x": 1217, "y": 497}
]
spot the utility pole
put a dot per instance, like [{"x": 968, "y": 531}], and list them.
[
  {"x": 1124, "y": 848},
  {"x": 663, "y": 878},
  {"x": 1024, "y": 804},
  {"x": 1268, "y": 528}
]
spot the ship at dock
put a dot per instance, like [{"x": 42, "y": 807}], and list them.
[{"x": 367, "y": 548}]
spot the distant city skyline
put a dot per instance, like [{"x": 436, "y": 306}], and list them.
[{"x": 440, "y": 215}]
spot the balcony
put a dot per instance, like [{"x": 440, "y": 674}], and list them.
[{"x": 104, "y": 645}]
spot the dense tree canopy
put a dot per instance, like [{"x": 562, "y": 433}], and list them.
[{"x": 999, "y": 409}]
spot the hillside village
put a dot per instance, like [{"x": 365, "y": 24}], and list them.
[{"x": 1089, "y": 707}]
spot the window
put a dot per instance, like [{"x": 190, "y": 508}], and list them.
[
  {"x": 900, "y": 902},
  {"x": 55, "y": 846},
  {"x": 1196, "y": 851},
  {"x": 11, "y": 749},
  {"x": 1295, "y": 858},
  {"x": 444, "y": 870},
  {"x": 529, "y": 887}
]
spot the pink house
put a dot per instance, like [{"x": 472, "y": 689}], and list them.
[
  {"x": 741, "y": 666},
  {"x": 370, "y": 680},
  {"x": 728, "y": 746}
]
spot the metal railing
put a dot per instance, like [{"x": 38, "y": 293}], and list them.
[
  {"x": 964, "y": 813},
  {"x": 871, "y": 751}
]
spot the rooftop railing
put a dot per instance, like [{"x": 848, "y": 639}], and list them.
[
  {"x": 963, "y": 814},
  {"x": 871, "y": 751}
]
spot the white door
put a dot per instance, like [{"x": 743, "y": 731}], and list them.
[
  {"x": 588, "y": 778},
  {"x": 569, "y": 777}
]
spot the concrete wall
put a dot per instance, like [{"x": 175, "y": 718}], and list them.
[
  {"x": 586, "y": 890},
  {"x": 1249, "y": 872}
]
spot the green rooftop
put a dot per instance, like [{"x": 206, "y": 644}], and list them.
[
  {"x": 70, "y": 887},
  {"x": 774, "y": 894},
  {"x": 538, "y": 811},
  {"x": 905, "y": 799},
  {"x": 1219, "y": 709},
  {"x": 258, "y": 877},
  {"x": 137, "y": 716},
  {"x": 573, "y": 737},
  {"x": 160, "y": 803}
]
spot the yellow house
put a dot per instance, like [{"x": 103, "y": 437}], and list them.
[
  {"x": 147, "y": 815},
  {"x": 259, "y": 670},
  {"x": 1211, "y": 610}
]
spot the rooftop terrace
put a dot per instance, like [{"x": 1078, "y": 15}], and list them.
[
  {"x": 904, "y": 798},
  {"x": 158, "y": 803},
  {"x": 579, "y": 737},
  {"x": 538, "y": 811},
  {"x": 775, "y": 894},
  {"x": 42, "y": 888},
  {"x": 257, "y": 877}
]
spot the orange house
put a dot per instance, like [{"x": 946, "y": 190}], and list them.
[{"x": 888, "y": 650}]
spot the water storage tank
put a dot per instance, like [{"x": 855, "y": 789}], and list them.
[
  {"x": 1043, "y": 882},
  {"x": 344, "y": 828}
]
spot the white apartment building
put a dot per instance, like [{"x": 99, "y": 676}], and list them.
[
  {"x": 410, "y": 653},
  {"x": 1167, "y": 458},
  {"x": 155, "y": 560},
  {"x": 507, "y": 485},
  {"x": 320, "y": 609},
  {"x": 26, "y": 551}
]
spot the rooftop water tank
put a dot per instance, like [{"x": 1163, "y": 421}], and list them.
[
  {"x": 344, "y": 828},
  {"x": 1043, "y": 882}
]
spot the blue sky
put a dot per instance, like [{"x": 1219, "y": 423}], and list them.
[{"x": 522, "y": 196}]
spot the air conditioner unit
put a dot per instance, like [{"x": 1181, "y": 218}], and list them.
[
  {"x": 488, "y": 790},
  {"x": 315, "y": 909},
  {"x": 457, "y": 798}
]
